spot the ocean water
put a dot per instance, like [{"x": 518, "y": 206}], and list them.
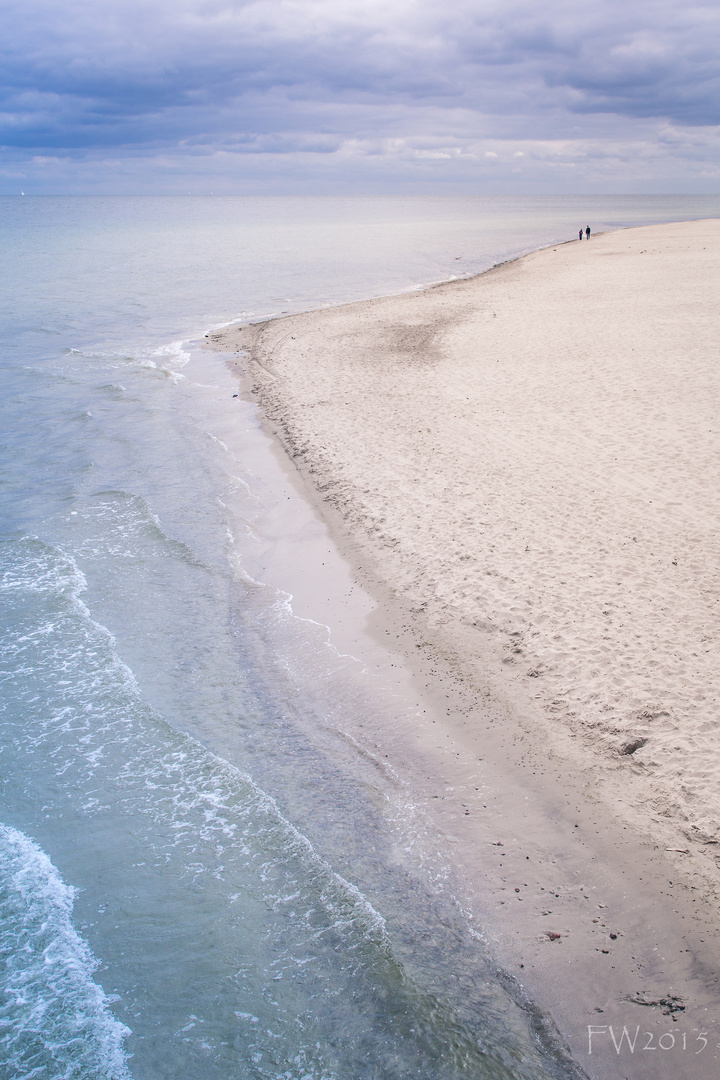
[{"x": 202, "y": 872}]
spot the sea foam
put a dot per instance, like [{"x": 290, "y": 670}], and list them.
[{"x": 55, "y": 1021}]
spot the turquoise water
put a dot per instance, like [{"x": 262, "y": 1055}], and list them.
[{"x": 194, "y": 881}]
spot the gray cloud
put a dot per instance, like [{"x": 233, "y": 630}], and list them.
[{"x": 314, "y": 76}]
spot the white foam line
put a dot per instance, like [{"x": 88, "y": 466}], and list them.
[{"x": 55, "y": 972}]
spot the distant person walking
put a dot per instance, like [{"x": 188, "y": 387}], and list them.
[
  {"x": 587, "y": 233},
  {"x": 580, "y": 235}
]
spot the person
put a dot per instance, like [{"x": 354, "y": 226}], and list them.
[
  {"x": 580, "y": 235},
  {"x": 587, "y": 233}
]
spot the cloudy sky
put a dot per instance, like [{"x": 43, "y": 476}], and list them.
[{"x": 165, "y": 96}]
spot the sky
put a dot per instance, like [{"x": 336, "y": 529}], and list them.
[{"x": 305, "y": 96}]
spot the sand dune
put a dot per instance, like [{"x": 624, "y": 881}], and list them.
[{"x": 530, "y": 460}]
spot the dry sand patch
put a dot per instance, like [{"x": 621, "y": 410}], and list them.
[{"x": 530, "y": 460}]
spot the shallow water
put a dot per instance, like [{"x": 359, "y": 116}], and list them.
[{"x": 194, "y": 865}]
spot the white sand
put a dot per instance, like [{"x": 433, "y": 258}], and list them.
[{"x": 529, "y": 460}]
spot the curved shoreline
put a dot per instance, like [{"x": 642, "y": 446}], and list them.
[{"x": 367, "y": 399}]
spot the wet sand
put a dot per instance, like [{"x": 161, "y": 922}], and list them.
[{"x": 520, "y": 468}]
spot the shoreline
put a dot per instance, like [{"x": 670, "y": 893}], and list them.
[{"x": 489, "y": 705}]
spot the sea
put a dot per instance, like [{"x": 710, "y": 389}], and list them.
[{"x": 205, "y": 874}]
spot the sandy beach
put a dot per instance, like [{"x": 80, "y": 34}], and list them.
[{"x": 522, "y": 467}]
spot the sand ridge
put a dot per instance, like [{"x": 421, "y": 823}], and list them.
[{"x": 529, "y": 459}]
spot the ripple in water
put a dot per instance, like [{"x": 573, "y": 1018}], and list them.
[
  {"x": 235, "y": 949},
  {"x": 55, "y": 1022}
]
